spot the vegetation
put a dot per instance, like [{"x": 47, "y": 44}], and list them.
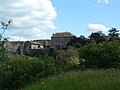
[
  {"x": 77, "y": 42},
  {"x": 99, "y": 37},
  {"x": 2, "y": 51},
  {"x": 22, "y": 70},
  {"x": 96, "y": 52},
  {"x": 69, "y": 59},
  {"x": 86, "y": 80},
  {"x": 113, "y": 32},
  {"x": 104, "y": 55}
]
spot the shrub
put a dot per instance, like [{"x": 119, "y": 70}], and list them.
[
  {"x": 75, "y": 63},
  {"x": 3, "y": 53},
  {"x": 69, "y": 59},
  {"x": 103, "y": 55},
  {"x": 17, "y": 73}
]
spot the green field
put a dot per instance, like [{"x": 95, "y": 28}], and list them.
[{"x": 80, "y": 80}]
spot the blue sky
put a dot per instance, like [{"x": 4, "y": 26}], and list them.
[
  {"x": 76, "y": 15},
  {"x": 39, "y": 19}
]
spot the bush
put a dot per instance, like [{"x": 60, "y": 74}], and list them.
[
  {"x": 103, "y": 55},
  {"x": 69, "y": 59},
  {"x": 75, "y": 64},
  {"x": 17, "y": 73},
  {"x": 3, "y": 53}
]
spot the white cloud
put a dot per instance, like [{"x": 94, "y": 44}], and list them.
[
  {"x": 31, "y": 18},
  {"x": 102, "y": 3},
  {"x": 97, "y": 27}
]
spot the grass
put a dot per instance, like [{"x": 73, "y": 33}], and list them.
[{"x": 80, "y": 80}]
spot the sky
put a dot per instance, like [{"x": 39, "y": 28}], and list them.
[{"x": 39, "y": 19}]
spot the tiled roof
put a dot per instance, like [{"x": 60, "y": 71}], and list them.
[
  {"x": 36, "y": 43},
  {"x": 63, "y": 34},
  {"x": 39, "y": 43}
]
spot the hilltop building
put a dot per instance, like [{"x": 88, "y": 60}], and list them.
[{"x": 61, "y": 39}]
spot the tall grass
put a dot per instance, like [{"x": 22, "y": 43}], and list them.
[{"x": 81, "y": 80}]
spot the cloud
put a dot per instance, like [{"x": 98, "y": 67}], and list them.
[
  {"x": 102, "y": 3},
  {"x": 97, "y": 27},
  {"x": 31, "y": 19}
]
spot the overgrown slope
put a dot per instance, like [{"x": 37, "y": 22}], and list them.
[{"x": 86, "y": 80}]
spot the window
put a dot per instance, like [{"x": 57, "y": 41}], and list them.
[
  {"x": 38, "y": 46},
  {"x": 56, "y": 46},
  {"x": 29, "y": 47}
]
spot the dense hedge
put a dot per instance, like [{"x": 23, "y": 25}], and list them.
[
  {"x": 17, "y": 73},
  {"x": 103, "y": 55},
  {"x": 17, "y": 70}
]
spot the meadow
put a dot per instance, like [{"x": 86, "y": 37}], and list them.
[{"x": 80, "y": 80}]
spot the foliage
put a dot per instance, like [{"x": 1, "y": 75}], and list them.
[
  {"x": 113, "y": 32},
  {"x": 75, "y": 63},
  {"x": 103, "y": 55},
  {"x": 98, "y": 37},
  {"x": 96, "y": 52},
  {"x": 86, "y": 80},
  {"x": 68, "y": 54},
  {"x": 113, "y": 35},
  {"x": 69, "y": 58},
  {"x": 78, "y": 42},
  {"x": 19, "y": 72},
  {"x": 3, "y": 53}
]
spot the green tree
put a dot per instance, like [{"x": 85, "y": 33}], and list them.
[
  {"x": 113, "y": 32},
  {"x": 98, "y": 37},
  {"x": 78, "y": 41},
  {"x": 69, "y": 58},
  {"x": 68, "y": 54},
  {"x": 103, "y": 55}
]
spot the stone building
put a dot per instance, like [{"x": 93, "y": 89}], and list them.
[
  {"x": 8, "y": 46},
  {"x": 61, "y": 39},
  {"x": 29, "y": 47}
]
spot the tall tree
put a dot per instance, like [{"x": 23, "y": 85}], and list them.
[
  {"x": 97, "y": 36},
  {"x": 78, "y": 41},
  {"x": 4, "y": 26},
  {"x": 113, "y": 32}
]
